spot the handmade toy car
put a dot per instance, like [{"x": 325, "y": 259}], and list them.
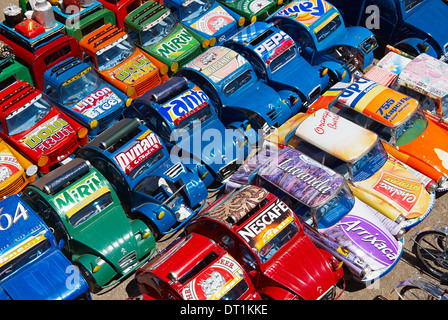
[
  {"x": 153, "y": 188},
  {"x": 230, "y": 82},
  {"x": 208, "y": 18},
  {"x": 76, "y": 88},
  {"x": 195, "y": 268},
  {"x": 121, "y": 8},
  {"x": 412, "y": 26},
  {"x": 182, "y": 115},
  {"x": 374, "y": 176},
  {"x": 153, "y": 28},
  {"x": 84, "y": 211},
  {"x": 318, "y": 28},
  {"x": 269, "y": 242},
  {"x": 36, "y": 128},
  {"x": 9, "y": 67},
  {"x": 277, "y": 59},
  {"x": 116, "y": 59},
  {"x": 252, "y": 10},
  {"x": 401, "y": 124},
  {"x": 32, "y": 266},
  {"x": 39, "y": 52},
  {"x": 79, "y": 18},
  {"x": 368, "y": 243}
]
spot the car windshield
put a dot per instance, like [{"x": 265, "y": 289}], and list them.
[
  {"x": 114, "y": 53},
  {"x": 278, "y": 240},
  {"x": 147, "y": 164},
  {"x": 154, "y": 34},
  {"x": 191, "y": 9},
  {"x": 369, "y": 163},
  {"x": 27, "y": 116},
  {"x": 411, "y": 4},
  {"x": 328, "y": 29},
  {"x": 234, "y": 85},
  {"x": 411, "y": 128},
  {"x": 91, "y": 209},
  {"x": 199, "y": 116},
  {"x": 76, "y": 90},
  {"x": 20, "y": 257},
  {"x": 334, "y": 209},
  {"x": 280, "y": 60}
]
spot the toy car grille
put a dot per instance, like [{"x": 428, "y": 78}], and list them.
[
  {"x": 174, "y": 171},
  {"x": 226, "y": 171},
  {"x": 329, "y": 295},
  {"x": 148, "y": 83},
  {"x": 128, "y": 259},
  {"x": 314, "y": 94},
  {"x": 109, "y": 120},
  {"x": 13, "y": 187},
  {"x": 66, "y": 150}
]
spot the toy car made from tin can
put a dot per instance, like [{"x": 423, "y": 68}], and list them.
[
  {"x": 252, "y": 10},
  {"x": 195, "y": 268},
  {"x": 277, "y": 59},
  {"x": 318, "y": 27},
  {"x": 85, "y": 212},
  {"x": 154, "y": 29},
  {"x": 163, "y": 194},
  {"x": 36, "y": 128},
  {"x": 182, "y": 115},
  {"x": 32, "y": 266},
  {"x": 208, "y": 18},
  {"x": 374, "y": 176},
  {"x": 76, "y": 89},
  {"x": 262, "y": 233},
  {"x": 230, "y": 81},
  {"x": 117, "y": 60},
  {"x": 334, "y": 218}
]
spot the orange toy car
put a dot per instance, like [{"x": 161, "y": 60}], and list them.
[{"x": 120, "y": 63}]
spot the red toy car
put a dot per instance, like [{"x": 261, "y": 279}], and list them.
[
  {"x": 121, "y": 8},
  {"x": 194, "y": 268},
  {"x": 36, "y": 128},
  {"x": 265, "y": 237}
]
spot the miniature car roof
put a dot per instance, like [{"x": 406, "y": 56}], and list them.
[
  {"x": 67, "y": 70},
  {"x": 22, "y": 90},
  {"x": 336, "y": 135},
  {"x": 378, "y": 102},
  {"x": 101, "y": 37},
  {"x": 255, "y": 31},
  {"x": 308, "y": 12},
  {"x": 301, "y": 177},
  {"x": 143, "y": 16},
  {"x": 427, "y": 75},
  {"x": 217, "y": 63}
]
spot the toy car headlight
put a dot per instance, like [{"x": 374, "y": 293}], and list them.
[
  {"x": 93, "y": 124},
  {"x": 279, "y": 2},
  {"x": 441, "y": 181},
  {"x": 82, "y": 132},
  {"x": 212, "y": 41},
  {"x": 241, "y": 21},
  {"x": 130, "y": 91},
  {"x": 31, "y": 170},
  {"x": 128, "y": 102},
  {"x": 42, "y": 161},
  {"x": 253, "y": 19},
  {"x": 205, "y": 43},
  {"x": 164, "y": 70},
  {"x": 174, "y": 66}
]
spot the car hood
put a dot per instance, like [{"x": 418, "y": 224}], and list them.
[
  {"x": 303, "y": 270},
  {"x": 435, "y": 12},
  {"x": 45, "y": 279},
  {"x": 214, "y": 23}
]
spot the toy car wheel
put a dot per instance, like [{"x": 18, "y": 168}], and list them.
[
  {"x": 93, "y": 286},
  {"x": 430, "y": 248}
]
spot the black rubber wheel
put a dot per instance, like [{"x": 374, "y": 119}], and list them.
[{"x": 93, "y": 286}]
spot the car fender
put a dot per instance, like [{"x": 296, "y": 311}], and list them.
[
  {"x": 354, "y": 37},
  {"x": 144, "y": 241},
  {"x": 338, "y": 70},
  {"x": 105, "y": 273},
  {"x": 161, "y": 218},
  {"x": 416, "y": 44}
]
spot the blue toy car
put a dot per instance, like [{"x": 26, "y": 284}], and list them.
[
  {"x": 165, "y": 195},
  {"x": 415, "y": 27},
  {"x": 319, "y": 29},
  {"x": 179, "y": 110},
  {"x": 230, "y": 81},
  {"x": 78, "y": 91},
  {"x": 32, "y": 266},
  {"x": 207, "y": 18},
  {"x": 276, "y": 58}
]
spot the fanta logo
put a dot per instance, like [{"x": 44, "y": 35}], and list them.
[
  {"x": 175, "y": 44},
  {"x": 315, "y": 8},
  {"x": 48, "y": 135},
  {"x": 136, "y": 70},
  {"x": 178, "y": 108}
]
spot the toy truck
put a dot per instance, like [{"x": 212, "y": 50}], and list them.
[
  {"x": 39, "y": 48},
  {"x": 32, "y": 265},
  {"x": 318, "y": 28},
  {"x": 121, "y": 8},
  {"x": 154, "y": 189},
  {"x": 78, "y": 91},
  {"x": 208, "y": 18},
  {"x": 117, "y": 60},
  {"x": 153, "y": 28},
  {"x": 180, "y": 110},
  {"x": 80, "y": 205},
  {"x": 414, "y": 27},
  {"x": 36, "y": 128}
]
